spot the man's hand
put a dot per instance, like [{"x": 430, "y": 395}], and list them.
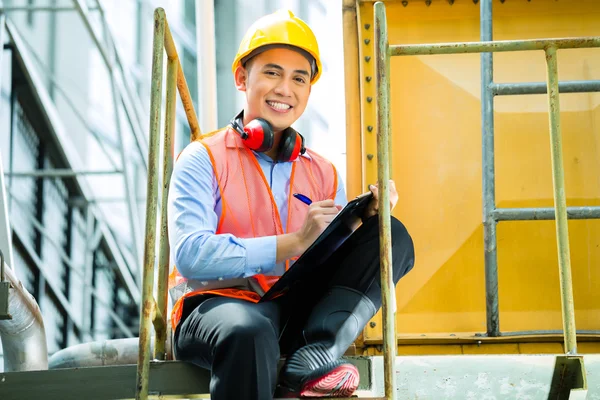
[
  {"x": 373, "y": 207},
  {"x": 320, "y": 214}
]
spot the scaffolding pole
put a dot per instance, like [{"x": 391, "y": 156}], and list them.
[
  {"x": 488, "y": 177},
  {"x": 560, "y": 204},
  {"x": 388, "y": 303}
]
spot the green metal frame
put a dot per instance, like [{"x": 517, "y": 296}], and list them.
[
  {"x": 154, "y": 311},
  {"x": 384, "y": 52}
]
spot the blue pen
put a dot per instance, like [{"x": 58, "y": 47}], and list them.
[{"x": 303, "y": 198}]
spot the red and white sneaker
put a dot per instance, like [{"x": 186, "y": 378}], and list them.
[
  {"x": 313, "y": 372},
  {"x": 341, "y": 381}
]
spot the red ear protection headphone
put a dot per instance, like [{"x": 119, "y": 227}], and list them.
[{"x": 258, "y": 135}]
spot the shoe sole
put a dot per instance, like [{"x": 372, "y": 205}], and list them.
[{"x": 341, "y": 381}]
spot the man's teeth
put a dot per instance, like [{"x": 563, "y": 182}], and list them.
[{"x": 279, "y": 106}]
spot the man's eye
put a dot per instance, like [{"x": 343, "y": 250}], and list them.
[
  {"x": 272, "y": 73},
  {"x": 301, "y": 80}
]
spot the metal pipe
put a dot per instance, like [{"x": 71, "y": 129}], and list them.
[
  {"x": 96, "y": 354},
  {"x": 100, "y": 353},
  {"x": 59, "y": 173},
  {"x": 382, "y": 81},
  {"x": 184, "y": 91},
  {"x": 507, "y": 89},
  {"x": 489, "y": 176},
  {"x": 496, "y": 46},
  {"x": 23, "y": 337},
  {"x": 35, "y": 9},
  {"x": 560, "y": 205},
  {"x": 528, "y": 214},
  {"x": 547, "y": 332},
  {"x": 143, "y": 366},
  {"x": 164, "y": 248},
  {"x": 88, "y": 268}
]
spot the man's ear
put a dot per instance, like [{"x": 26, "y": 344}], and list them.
[{"x": 241, "y": 76}]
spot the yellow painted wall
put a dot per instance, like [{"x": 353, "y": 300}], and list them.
[{"x": 436, "y": 136}]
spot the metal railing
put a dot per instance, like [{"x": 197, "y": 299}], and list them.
[
  {"x": 491, "y": 214},
  {"x": 154, "y": 311}
]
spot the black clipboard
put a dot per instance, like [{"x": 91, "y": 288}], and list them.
[{"x": 322, "y": 248}]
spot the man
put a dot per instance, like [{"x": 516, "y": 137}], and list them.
[{"x": 234, "y": 227}]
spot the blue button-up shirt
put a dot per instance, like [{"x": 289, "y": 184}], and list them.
[{"x": 194, "y": 209}]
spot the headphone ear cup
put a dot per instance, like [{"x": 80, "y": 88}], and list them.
[
  {"x": 291, "y": 146},
  {"x": 260, "y": 135}
]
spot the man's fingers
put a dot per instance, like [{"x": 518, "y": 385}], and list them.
[{"x": 324, "y": 203}]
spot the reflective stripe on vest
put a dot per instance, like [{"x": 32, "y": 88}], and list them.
[{"x": 248, "y": 210}]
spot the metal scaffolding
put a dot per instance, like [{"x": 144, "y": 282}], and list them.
[
  {"x": 123, "y": 95},
  {"x": 491, "y": 214}
]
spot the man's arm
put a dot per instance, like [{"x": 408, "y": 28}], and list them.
[
  {"x": 198, "y": 252},
  {"x": 294, "y": 244}
]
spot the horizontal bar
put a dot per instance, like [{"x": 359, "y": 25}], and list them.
[
  {"x": 38, "y": 8},
  {"x": 471, "y": 338},
  {"x": 547, "y": 332},
  {"x": 493, "y": 46},
  {"x": 506, "y": 89},
  {"x": 531, "y": 214},
  {"x": 55, "y": 173}
]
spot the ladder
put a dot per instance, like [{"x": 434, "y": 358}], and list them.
[{"x": 570, "y": 366}]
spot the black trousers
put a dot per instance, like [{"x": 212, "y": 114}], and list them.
[{"x": 242, "y": 342}]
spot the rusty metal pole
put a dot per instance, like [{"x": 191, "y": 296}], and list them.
[
  {"x": 382, "y": 82},
  {"x": 164, "y": 248},
  {"x": 148, "y": 304},
  {"x": 560, "y": 205}
]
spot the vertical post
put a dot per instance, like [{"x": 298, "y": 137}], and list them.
[
  {"x": 560, "y": 205},
  {"x": 88, "y": 266},
  {"x": 382, "y": 71},
  {"x": 164, "y": 248},
  {"x": 143, "y": 372},
  {"x": 488, "y": 176}
]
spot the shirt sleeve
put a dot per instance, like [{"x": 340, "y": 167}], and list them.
[
  {"x": 198, "y": 252},
  {"x": 340, "y": 196}
]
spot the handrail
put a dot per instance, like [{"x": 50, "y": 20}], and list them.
[{"x": 154, "y": 312}]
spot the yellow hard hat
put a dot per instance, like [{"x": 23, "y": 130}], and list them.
[{"x": 280, "y": 28}]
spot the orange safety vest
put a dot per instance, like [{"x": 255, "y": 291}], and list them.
[{"x": 249, "y": 210}]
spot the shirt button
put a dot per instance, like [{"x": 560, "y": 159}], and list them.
[{"x": 220, "y": 278}]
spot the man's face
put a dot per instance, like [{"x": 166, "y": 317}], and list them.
[{"x": 277, "y": 86}]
